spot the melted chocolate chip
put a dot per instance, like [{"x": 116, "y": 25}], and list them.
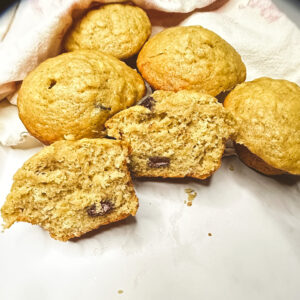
[
  {"x": 52, "y": 84},
  {"x": 158, "y": 162},
  {"x": 109, "y": 137},
  {"x": 148, "y": 102},
  {"x": 94, "y": 211},
  {"x": 91, "y": 210},
  {"x": 102, "y": 107}
]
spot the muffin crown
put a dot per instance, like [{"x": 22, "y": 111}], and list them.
[{"x": 268, "y": 115}]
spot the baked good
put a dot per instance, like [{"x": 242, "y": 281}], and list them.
[
  {"x": 254, "y": 162},
  {"x": 174, "y": 134},
  {"x": 71, "y": 95},
  {"x": 117, "y": 29},
  {"x": 72, "y": 187},
  {"x": 268, "y": 115},
  {"x": 190, "y": 57}
]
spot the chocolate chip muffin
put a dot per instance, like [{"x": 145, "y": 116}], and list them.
[
  {"x": 192, "y": 58},
  {"x": 72, "y": 95},
  {"x": 174, "y": 134},
  {"x": 72, "y": 187},
  {"x": 268, "y": 116},
  {"x": 117, "y": 29}
]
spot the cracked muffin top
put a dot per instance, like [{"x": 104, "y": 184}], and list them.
[{"x": 192, "y": 58}]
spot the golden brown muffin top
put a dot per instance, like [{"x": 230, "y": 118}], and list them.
[
  {"x": 268, "y": 114},
  {"x": 117, "y": 29},
  {"x": 71, "y": 95},
  {"x": 190, "y": 57}
]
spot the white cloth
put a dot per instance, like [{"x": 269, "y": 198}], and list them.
[{"x": 267, "y": 40}]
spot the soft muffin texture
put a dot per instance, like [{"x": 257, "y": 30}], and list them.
[
  {"x": 174, "y": 134},
  {"x": 72, "y": 187},
  {"x": 117, "y": 29},
  {"x": 192, "y": 58},
  {"x": 268, "y": 115},
  {"x": 72, "y": 95}
]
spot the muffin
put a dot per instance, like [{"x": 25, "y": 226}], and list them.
[
  {"x": 174, "y": 134},
  {"x": 72, "y": 187},
  {"x": 268, "y": 117},
  {"x": 71, "y": 95},
  {"x": 117, "y": 29},
  {"x": 192, "y": 58}
]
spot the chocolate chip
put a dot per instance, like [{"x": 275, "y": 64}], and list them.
[
  {"x": 94, "y": 211},
  {"x": 158, "y": 162},
  {"x": 102, "y": 107},
  {"x": 52, "y": 84},
  {"x": 110, "y": 137},
  {"x": 148, "y": 102},
  {"x": 91, "y": 210}
]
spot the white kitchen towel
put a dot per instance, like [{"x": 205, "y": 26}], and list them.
[{"x": 267, "y": 40}]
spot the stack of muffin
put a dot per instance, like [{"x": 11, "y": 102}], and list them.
[{"x": 102, "y": 126}]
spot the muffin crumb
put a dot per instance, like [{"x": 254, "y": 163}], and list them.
[{"x": 191, "y": 194}]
